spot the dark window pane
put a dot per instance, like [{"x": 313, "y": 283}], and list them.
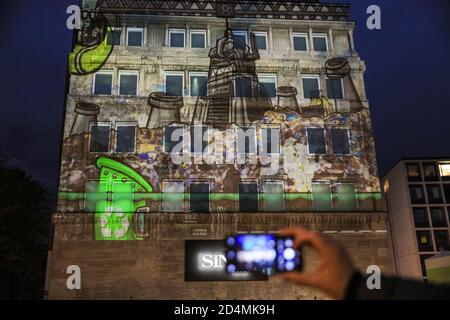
[
  {"x": 339, "y": 140},
  {"x": 114, "y": 38},
  {"x": 316, "y": 141},
  {"x": 246, "y": 141},
  {"x": 334, "y": 89},
  {"x": 424, "y": 241},
  {"x": 434, "y": 194},
  {"x": 438, "y": 217},
  {"x": 270, "y": 141},
  {"x": 416, "y": 194},
  {"x": 99, "y": 139},
  {"x": 198, "y": 85},
  {"x": 300, "y": 44},
  {"x": 174, "y": 85},
  {"x": 177, "y": 39},
  {"x": 128, "y": 85},
  {"x": 248, "y": 197},
  {"x": 273, "y": 196},
  {"x": 268, "y": 89},
  {"x": 430, "y": 171},
  {"x": 447, "y": 192},
  {"x": 321, "y": 195},
  {"x": 420, "y": 217},
  {"x": 320, "y": 44},
  {"x": 173, "y": 135},
  {"x": 261, "y": 42},
  {"x": 135, "y": 38},
  {"x": 199, "y": 139},
  {"x": 239, "y": 41},
  {"x": 413, "y": 171},
  {"x": 442, "y": 240},
  {"x": 311, "y": 88},
  {"x": 199, "y": 197},
  {"x": 197, "y": 40},
  {"x": 103, "y": 84},
  {"x": 345, "y": 197},
  {"x": 243, "y": 87},
  {"x": 126, "y": 136}
]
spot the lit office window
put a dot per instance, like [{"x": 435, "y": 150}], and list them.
[
  {"x": 316, "y": 141},
  {"x": 125, "y": 138},
  {"x": 420, "y": 217},
  {"x": 444, "y": 170},
  {"x": 320, "y": 42},
  {"x": 176, "y": 38},
  {"x": 416, "y": 193},
  {"x": 173, "y": 196},
  {"x": 198, "y": 38},
  {"x": 261, "y": 40},
  {"x": 268, "y": 86},
  {"x": 434, "y": 193},
  {"x": 240, "y": 39},
  {"x": 99, "y": 138},
  {"x": 199, "y": 139},
  {"x": 430, "y": 171},
  {"x": 173, "y": 136},
  {"x": 345, "y": 197},
  {"x": 424, "y": 241},
  {"x": 413, "y": 172},
  {"x": 128, "y": 83},
  {"x": 335, "y": 89},
  {"x": 273, "y": 196},
  {"x": 442, "y": 240},
  {"x": 321, "y": 196},
  {"x": 174, "y": 84},
  {"x": 103, "y": 83},
  {"x": 246, "y": 141},
  {"x": 114, "y": 38},
  {"x": 340, "y": 141},
  {"x": 270, "y": 141},
  {"x": 300, "y": 41},
  {"x": 438, "y": 217},
  {"x": 311, "y": 87},
  {"x": 135, "y": 37},
  {"x": 243, "y": 86},
  {"x": 198, "y": 84}
]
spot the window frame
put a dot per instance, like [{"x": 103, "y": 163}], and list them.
[
  {"x": 261, "y": 76},
  {"x": 208, "y": 135},
  {"x": 240, "y": 33},
  {"x": 199, "y": 74},
  {"x": 174, "y": 73},
  {"x": 115, "y": 29},
  {"x": 261, "y": 189},
  {"x": 246, "y": 154},
  {"x": 103, "y": 72},
  {"x": 325, "y": 138},
  {"x": 312, "y": 76},
  {"x": 183, "y": 138},
  {"x": 300, "y": 35},
  {"x": 260, "y": 146},
  {"x": 348, "y": 140},
  {"x": 262, "y": 33},
  {"x": 163, "y": 209},
  {"x": 177, "y": 30},
  {"x": 125, "y": 124},
  {"x": 320, "y": 35},
  {"x": 100, "y": 124},
  {"x": 129, "y": 73},
  {"x": 196, "y": 31},
  {"x": 341, "y": 80},
  {"x": 135, "y": 29}
]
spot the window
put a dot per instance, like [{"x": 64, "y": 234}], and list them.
[
  {"x": 424, "y": 241},
  {"x": 114, "y": 38},
  {"x": 199, "y": 197},
  {"x": 444, "y": 170},
  {"x": 345, "y": 197},
  {"x": 321, "y": 196},
  {"x": 273, "y": 196},
  {"x": 173, "y": 136},
  {"x": 248, "y": 197},
  {"x": 199, "y": 139},
  {"x": 174, "y": 84},
  {"x": 198, "y": 38},
  {"x": 126, "y": 138},
  {"x": 173, "y": 196},
  {"x": 99, "y": 138},
  {"x": 441, "y": 240},
  {"x": 446, "y": 187},
  {"x": 261, "y": 40},
  {"x": 335, "y": 89},
  {"x": 128, "y": 83},
  {"x": 316, "y": 141},
  {"x": 135, "y": 37},
  {"x": 413, "y": 171},
  {"x": 246, "y": 141},
  {"x": 243, "y": 87},
  {"x": 340, "y": 141},
  {"x": 270, "y": 141},
  {"x": 438, "y": 217},
  {"x": 198, "y": 84},
  {"x": 300, "y": 41},
  {"x": 311, "y": 87},
  {"x": 430, "y": 171},
  {"x": 176, "y": 38},
  {"x": 420, "y": 217},
  {"x": 416, "y": 194},
  {"x": 434, "y": 193},
  {"x": 268, "y": 86},
  {"x": 240, "y": 39},
  {"x": 103, "y": 83},
  {"x": 320, "y": 42}
]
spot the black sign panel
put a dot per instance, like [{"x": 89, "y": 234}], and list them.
[{"x": 205, "y": 260}]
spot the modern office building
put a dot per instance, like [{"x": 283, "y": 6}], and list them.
[
  {"x": 418, "y": 197},
  {"x": 188, "y": 121}
]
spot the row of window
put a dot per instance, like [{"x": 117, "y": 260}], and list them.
[
  {"x": 428, "y": 171},
  {"x": 197, "y": 39},
  {"x": 425, "y": 240},
  {"x": 431, "y": 217},
  {"x": 174, "y": 84},
  {"x": 434, "y": 193}
]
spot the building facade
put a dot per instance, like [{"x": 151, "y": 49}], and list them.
[
  {"x": 418, "y": 197},
  {"x": 193, "y": 120}
]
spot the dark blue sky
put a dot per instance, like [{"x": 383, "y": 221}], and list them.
[{"x": 407, "y": 79}]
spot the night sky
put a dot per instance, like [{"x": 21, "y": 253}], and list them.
[{"x": 407, "y": 80}]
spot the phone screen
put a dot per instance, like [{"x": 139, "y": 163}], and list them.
[{"x": 266, "y": 253}]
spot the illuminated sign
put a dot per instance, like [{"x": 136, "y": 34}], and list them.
[
  {"x": 205, "y": 261},
  {"x": 444, "y": 169}
]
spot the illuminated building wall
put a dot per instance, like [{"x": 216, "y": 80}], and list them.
[{"x": 188, "y": 115}]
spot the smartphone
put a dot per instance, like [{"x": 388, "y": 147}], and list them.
[{"x": 266, "y": 253}]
